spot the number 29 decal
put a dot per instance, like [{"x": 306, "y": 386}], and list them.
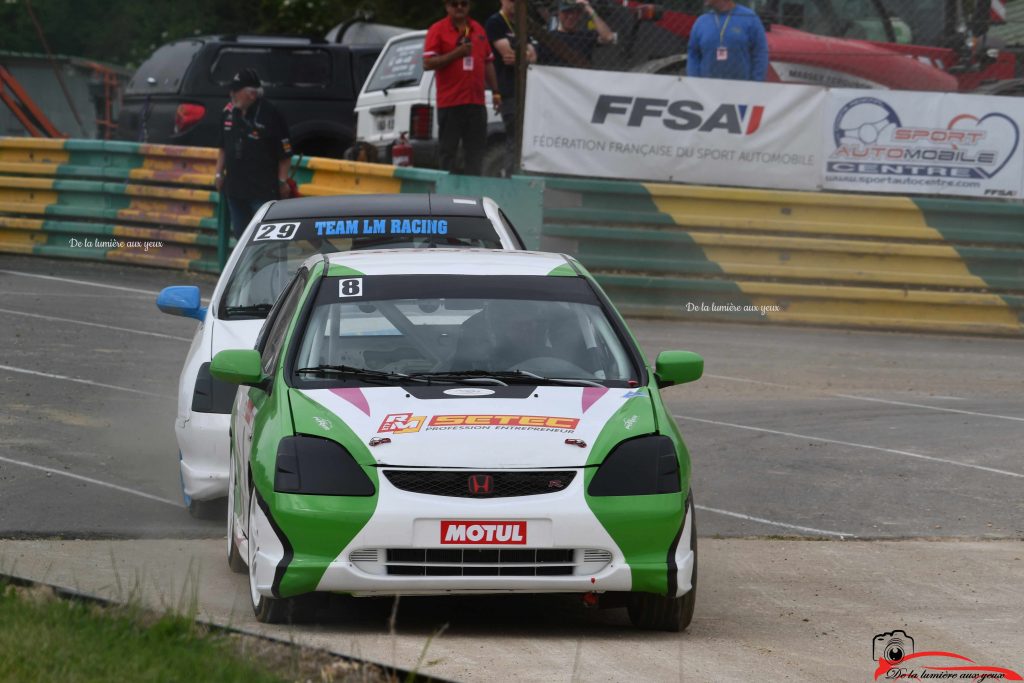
[
  {"x": 275, "y": 231},
  {"x": 352, "y": 286}
]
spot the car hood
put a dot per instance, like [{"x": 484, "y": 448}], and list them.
[{"x": 459, "y": 426}]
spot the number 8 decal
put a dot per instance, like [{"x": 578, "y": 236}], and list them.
[{"x": 351, "y": 287}]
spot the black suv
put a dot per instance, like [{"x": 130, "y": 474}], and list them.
[{"x": 176, "y": 97}]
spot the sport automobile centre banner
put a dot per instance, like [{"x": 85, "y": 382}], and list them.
[
  {"x": 667, "y": 128},
  {"x": 924, "y": 143}
]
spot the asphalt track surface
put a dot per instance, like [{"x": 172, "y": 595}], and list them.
[
  {"x": 813, "y": 434},
  {"x": 793, "y": 431}
]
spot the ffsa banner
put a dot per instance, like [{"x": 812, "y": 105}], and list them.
[
  {"x": 675, "y": 129},
  {"x": 924, "y": 143}
]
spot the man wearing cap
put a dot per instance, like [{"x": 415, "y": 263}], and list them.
[
  {"x": 255, "y": 155},
  {"x": 572, "y": 43},
  {"x": 457, "y": 48},
  {"x": 728, "y": 42}
]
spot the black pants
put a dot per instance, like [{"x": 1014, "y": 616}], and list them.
[{"x": 466, "y": 123}]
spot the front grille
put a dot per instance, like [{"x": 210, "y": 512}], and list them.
[
  {"x": 480, "y": 561},
  {"x": 460, "y": 484}
]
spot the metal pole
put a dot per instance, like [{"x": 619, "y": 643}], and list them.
[
  {"x": 56, "y": 69},
  {"x": 522, "y": 39},
  {"x": 223, "y": 232}
]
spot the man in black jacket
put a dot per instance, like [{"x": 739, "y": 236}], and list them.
[{"x": 255, "y": 154}]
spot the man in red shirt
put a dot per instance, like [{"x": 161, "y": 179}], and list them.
[{"x": 457, "y": 48}]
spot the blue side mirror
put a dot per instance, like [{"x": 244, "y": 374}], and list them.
[{"x": 183, "y": 301}]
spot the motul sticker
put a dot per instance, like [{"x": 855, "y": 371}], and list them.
[{"x": 483, "y": 533}]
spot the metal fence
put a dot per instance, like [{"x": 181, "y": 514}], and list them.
[{"x": 904, "y": 44}]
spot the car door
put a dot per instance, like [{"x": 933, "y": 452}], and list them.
[{"x": 250, "y": 400}]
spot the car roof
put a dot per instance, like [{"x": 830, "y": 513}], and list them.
[
  {"x": 377, "y": 204},
  {"x": 446, "y": 262}
]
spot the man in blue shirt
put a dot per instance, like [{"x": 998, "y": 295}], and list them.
[{"x": 728, "y": 42}]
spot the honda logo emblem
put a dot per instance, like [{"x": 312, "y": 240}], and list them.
[{"x": 481, "y": 484}]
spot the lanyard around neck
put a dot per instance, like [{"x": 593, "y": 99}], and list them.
[
  {"x": 721, "y": 29},
  {"x": 507, "y": 22}
]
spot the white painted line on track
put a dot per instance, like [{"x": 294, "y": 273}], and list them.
[
  {"x": 85, "y": 381},
  {"x": 749, "y": 381},
  {"x": 83, "y": 322},
  {"x": 894, "y": 451},
  {"x": 79, "y": 477},
  {"x": 68, "y": 295},
  {"x": 762, "y": 520},
  {"x": 873, "y": 400},
  {"x": 148, "y": 292},
  {"x": 132, "y": 290},
  {"x": 919, "y": 405}
]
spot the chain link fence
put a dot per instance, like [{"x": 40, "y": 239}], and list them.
[{"x": 832, "y": 42}]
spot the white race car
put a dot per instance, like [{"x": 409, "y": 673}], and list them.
[
  {"x": 457, "y": 421},
  {"x": 279, "y": 238}
]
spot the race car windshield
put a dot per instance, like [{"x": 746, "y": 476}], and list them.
[
  {"x": 276, "y": 250},
  {"x": 480, "y": 329}
]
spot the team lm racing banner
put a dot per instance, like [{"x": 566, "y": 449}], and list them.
[
  {"x": 924, "y": 143},
  {"x": 675, "y": 129}
]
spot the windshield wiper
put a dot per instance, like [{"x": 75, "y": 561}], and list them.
[
  {"x": 462, "y": 376},
  {"x": 405, "y": 82},
  {"x": 496, "y": 377},
  {"x": 362, "y": 373},
  {"x": 252, "y": 309},
  {"x": 559, "y": 380}
]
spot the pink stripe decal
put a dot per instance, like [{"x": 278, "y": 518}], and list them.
[
  {"x": 355, "y": 397},
  {"x": 591, "y": 396}
]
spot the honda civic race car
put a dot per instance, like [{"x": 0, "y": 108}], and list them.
[
  {"x": 278, "y": 239},
  {"x": 460, "y": 421}
]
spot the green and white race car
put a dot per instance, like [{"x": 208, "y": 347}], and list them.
[{"x": 457, "y": 421}]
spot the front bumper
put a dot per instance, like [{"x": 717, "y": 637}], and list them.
[
  {"x": 203, "y": 440},
  {"x": 566, "y": 548}
]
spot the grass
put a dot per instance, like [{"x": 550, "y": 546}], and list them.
[{"x": 45, "y": 638}]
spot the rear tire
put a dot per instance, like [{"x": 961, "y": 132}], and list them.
[
  {"x": 667, "y": 613},
  {"x": 205, "y": 509}
]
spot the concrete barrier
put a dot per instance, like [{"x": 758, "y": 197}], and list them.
[
  {"x": 813, "y": 258},
  {"x": 676, "y": 251}
]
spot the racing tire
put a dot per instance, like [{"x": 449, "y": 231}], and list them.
[
  {"x": 235, "y": 561},
  {"x": 661, "y": 612},
  {"x": 275, "y": 610},
  {"x": 205, "y": 509}
]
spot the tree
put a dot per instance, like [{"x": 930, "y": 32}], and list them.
[{"x": 125, "y": 32}]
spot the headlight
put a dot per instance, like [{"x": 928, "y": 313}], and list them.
[
  {"x": 638, "y": 467},
  {"x": 318, "y": 467}
]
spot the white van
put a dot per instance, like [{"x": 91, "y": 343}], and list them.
[{"x": 400, "y": 97}]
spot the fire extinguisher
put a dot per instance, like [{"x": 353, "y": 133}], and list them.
[{"x": 401, "y": 152}]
